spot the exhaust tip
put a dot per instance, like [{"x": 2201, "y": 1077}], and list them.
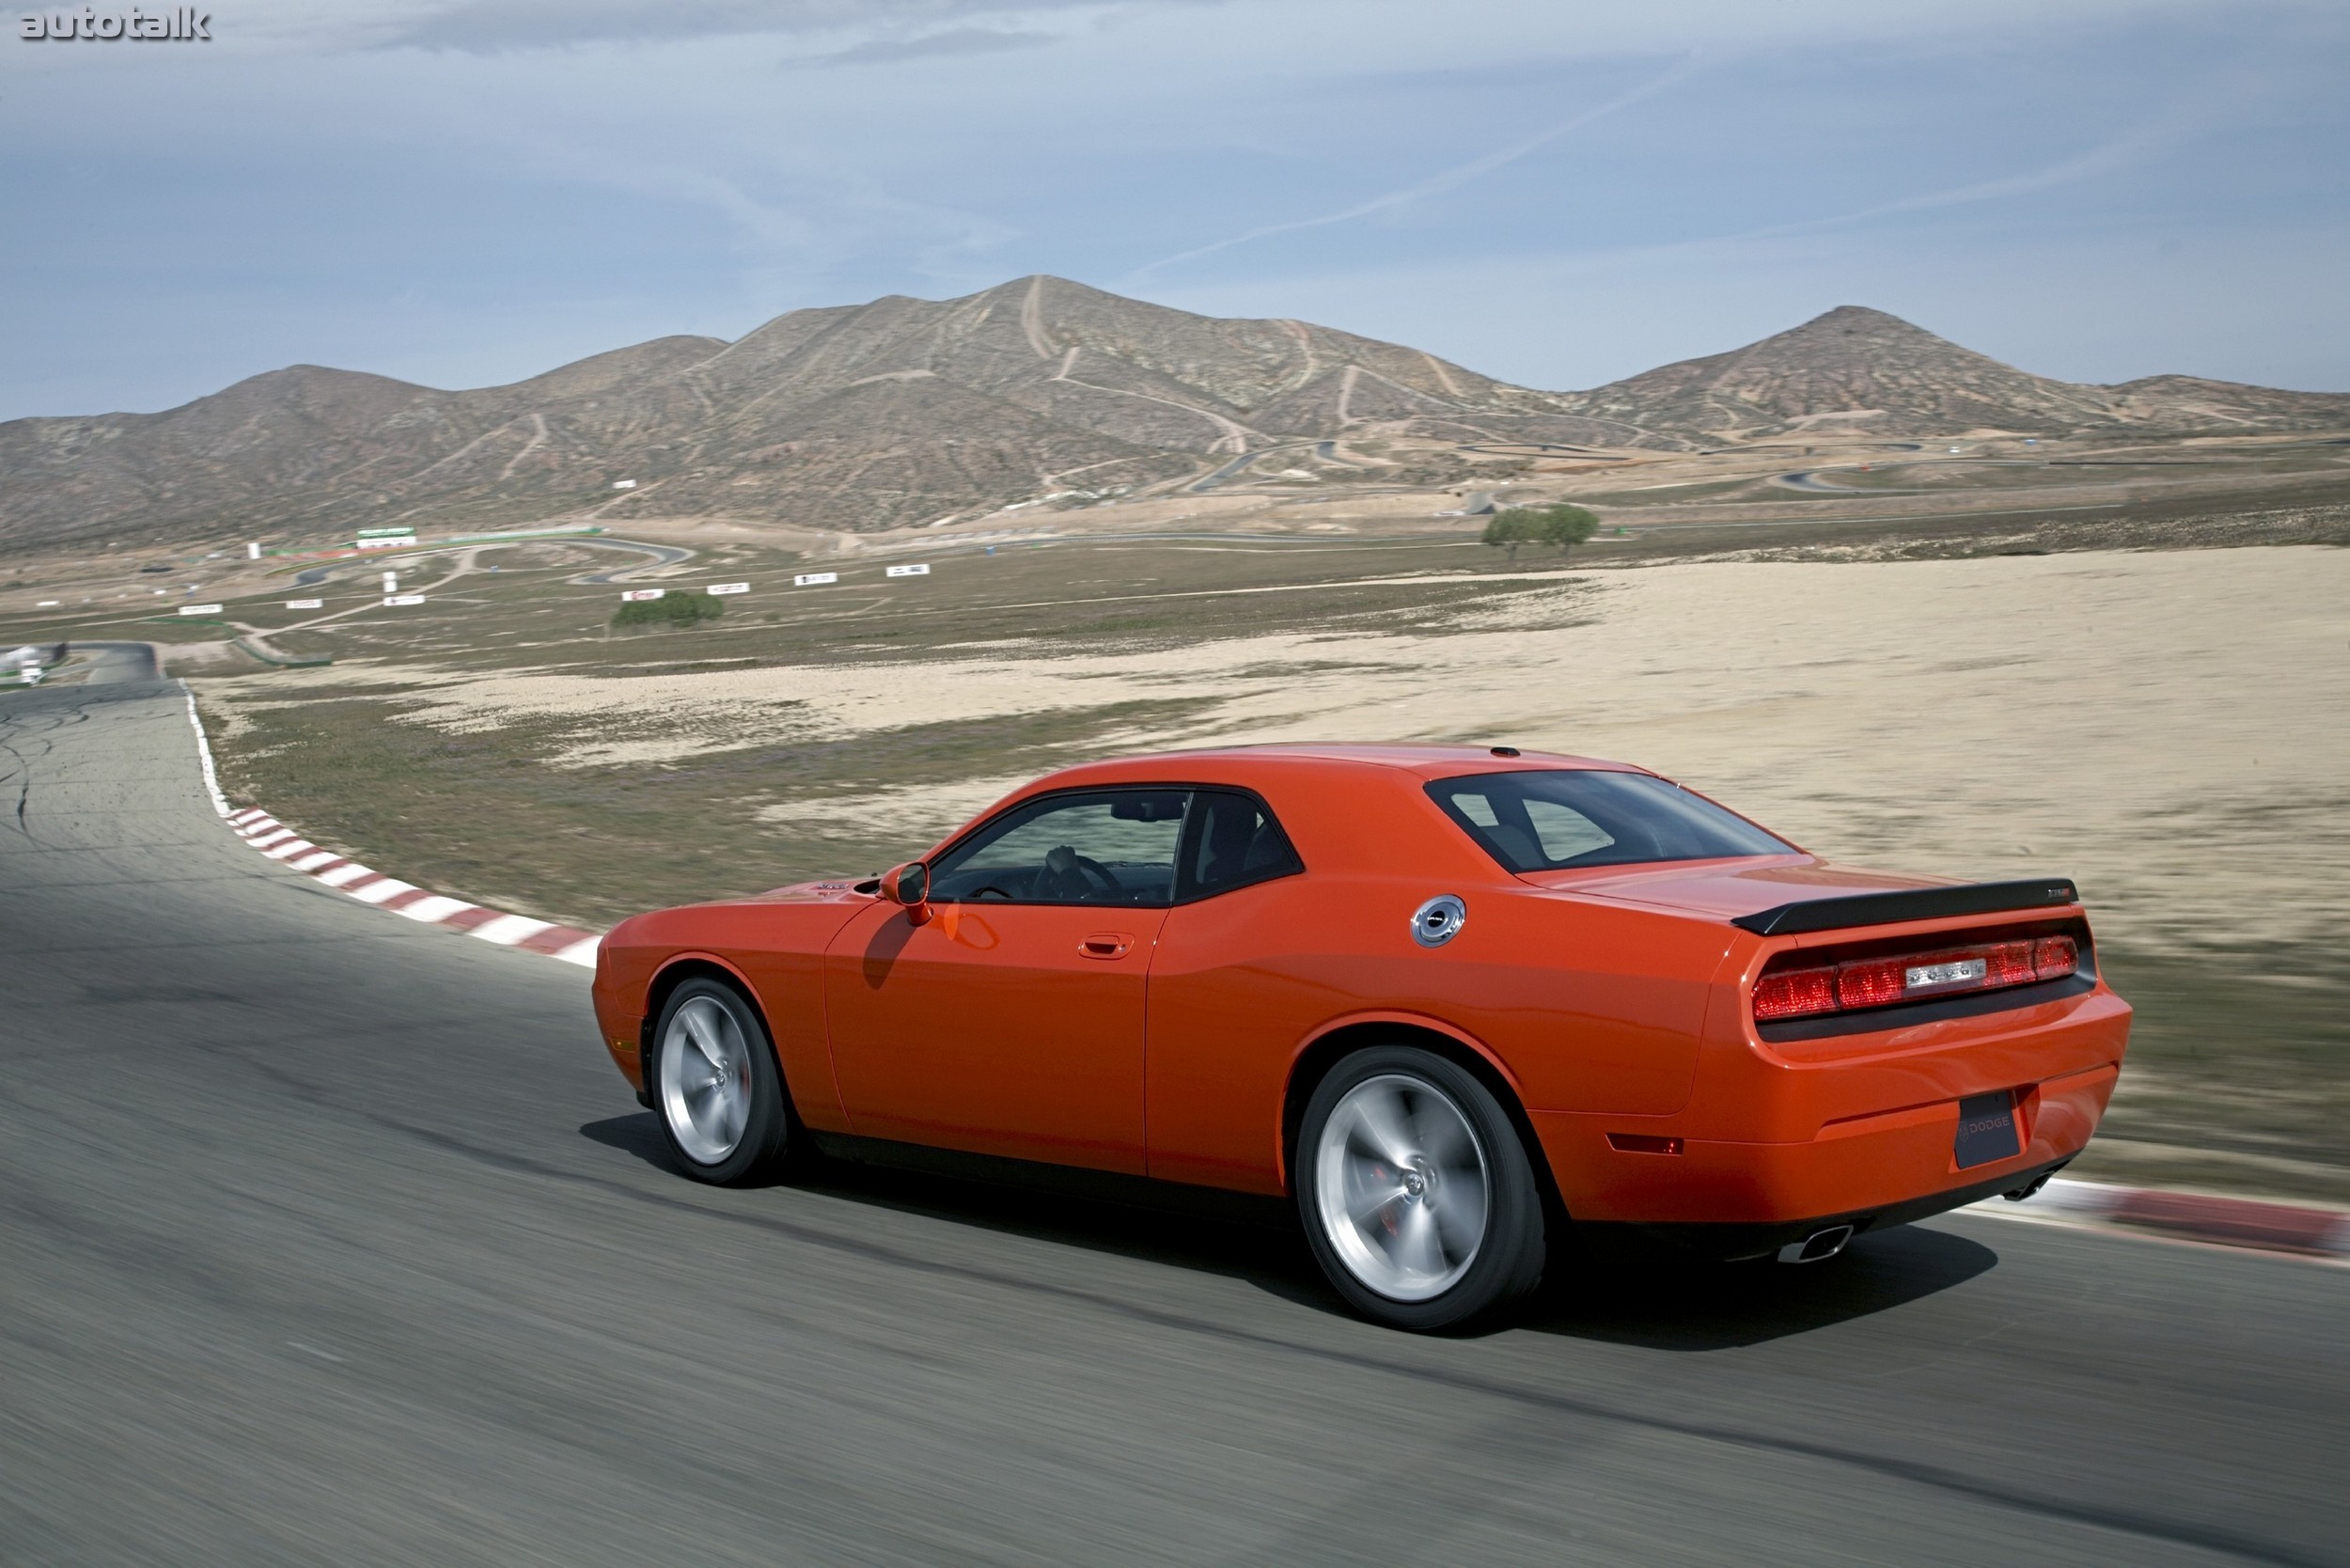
[{"x": 1817, "y": 1247}]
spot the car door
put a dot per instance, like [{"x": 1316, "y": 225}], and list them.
[{"x": 1011, "y": 1021}]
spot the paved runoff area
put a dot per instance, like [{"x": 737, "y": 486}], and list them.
[{"x": 328, "y": 1237}]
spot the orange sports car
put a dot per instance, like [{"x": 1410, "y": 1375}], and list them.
[{"x": 1450, "y": 1000}]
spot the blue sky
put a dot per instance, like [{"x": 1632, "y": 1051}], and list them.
[{"x": 464, "y": 191}]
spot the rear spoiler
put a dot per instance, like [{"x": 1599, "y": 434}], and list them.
[{"x": 1910, "y": 903}]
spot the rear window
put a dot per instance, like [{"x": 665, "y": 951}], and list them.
[{"x": 1551, "y": 821}]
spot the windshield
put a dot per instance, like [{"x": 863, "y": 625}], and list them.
[{"x": 1553, "y": 821}]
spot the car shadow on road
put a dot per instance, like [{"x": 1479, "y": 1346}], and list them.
[
  {"x": 1650, "y": 1298},
  {"x": 1231, "y": 1234},
  {"x": 1663, "y": 1302}
]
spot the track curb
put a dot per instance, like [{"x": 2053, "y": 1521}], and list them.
[
  {"x": 283, "y": 844},
  {"x": 274, "y": 839},
  {"x": 2211, "y": 1219}
]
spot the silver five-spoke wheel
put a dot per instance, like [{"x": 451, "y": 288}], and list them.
[
  {"x": 1402, "y": 1187},
  {"x": 705, "y": 1080}
]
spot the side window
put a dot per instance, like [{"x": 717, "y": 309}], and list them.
[
  {"x": 1102, "y": 846},
  {"x": 1232, "y": 841}
]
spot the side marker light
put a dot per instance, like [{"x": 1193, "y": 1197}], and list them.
[{"x": 1642, "y": 1143}]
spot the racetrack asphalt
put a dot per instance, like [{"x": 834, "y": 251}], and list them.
[{"x": 330, "y": 1238}]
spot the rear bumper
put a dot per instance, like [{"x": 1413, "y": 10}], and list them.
[
  {"x": 1729, "y": 1242},
  {"x": 1900, "y": 1162}
]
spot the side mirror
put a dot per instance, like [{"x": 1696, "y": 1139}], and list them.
[{"x": 909, "y": 885}]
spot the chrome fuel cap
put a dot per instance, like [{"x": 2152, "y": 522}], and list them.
[{"x": 1438, "y": 920}]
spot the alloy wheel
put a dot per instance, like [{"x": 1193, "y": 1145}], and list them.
[{"x": 1402, "y": 1187}]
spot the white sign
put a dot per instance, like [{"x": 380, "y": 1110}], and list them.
[
  {"x": 391, "y": 599},
  {"x": 717, "y": 589},
  {"x": 624, "y": 484},
  {"x": 253, "y": 551},
  {"x": 401, "y": 541},
  {"x": 813, "y": 579},
  {"x": 200, "y": 609},
  {"x": 922, "y": 571},
  {"x": 306, "y": 603},
  {"x": 635, "y": 595}
]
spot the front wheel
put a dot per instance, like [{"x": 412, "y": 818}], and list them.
[
  {"x": 716, "y": 1089},
  {"x": 1415, "y": 1191}
]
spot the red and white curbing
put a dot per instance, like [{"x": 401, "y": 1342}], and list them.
[
  {"x": 2196, "y": 1216},
  {"x": 279, "y": 843},
  {"x": 274, "y": 839}
]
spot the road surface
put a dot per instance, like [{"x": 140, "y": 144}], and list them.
[{"x": 325, "y": 1237}]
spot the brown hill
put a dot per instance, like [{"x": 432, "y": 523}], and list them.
[
  {"x": 1863, "y": 370},
  {"x": 906, "y": 411},
  {"x": 901, "y": 411}
]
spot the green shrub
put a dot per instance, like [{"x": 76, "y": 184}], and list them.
[
  {"x": 671, "y": 610},
  {"x": 1562, "y": 524}
]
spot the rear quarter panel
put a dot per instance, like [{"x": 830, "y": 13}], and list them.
[{"x": 1580, "y": 1005}]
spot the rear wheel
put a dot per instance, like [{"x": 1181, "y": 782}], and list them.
[
  {"x": 1415, "y": 1191},
  {"x": 716, "y": 1089}
]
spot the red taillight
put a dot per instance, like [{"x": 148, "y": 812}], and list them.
[
  {"x": 2055, "y": 957},
  {"x": 1872, "y": 982},
  {"x": 1795, "y": 993},
  {"x": 1880, "y": 982}
]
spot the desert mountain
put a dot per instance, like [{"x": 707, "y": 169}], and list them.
[
  {"x": 1863, "y": 371},
  {"x": 900, "y": 411},
  {"x": 907, "y": 411}
]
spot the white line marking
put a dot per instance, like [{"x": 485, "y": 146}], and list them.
[
  {"x": 582, "y": 953},
  {"x": 274, "y": 836},
  {"x": 204, "y": 755},
  {"x": 349, "y": 871},
  {"x": 291, "y": 848},
  {"x": 433, "y": 911},
  {"x": 312, "y": 862},
  {"x": 376, "y": 892}
]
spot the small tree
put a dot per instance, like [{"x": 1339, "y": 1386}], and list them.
[
  {"x": 1568, "y": 526},
  {"x": 1511, "y": 527},
  {"x": 1562, "y": 524}
]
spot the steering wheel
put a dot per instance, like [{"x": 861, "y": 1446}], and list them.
[{"x": 1066, "y": 875}]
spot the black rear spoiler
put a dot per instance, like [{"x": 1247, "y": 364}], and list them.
[{"x": 1910, "y": 903}]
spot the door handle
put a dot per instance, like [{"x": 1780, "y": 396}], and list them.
[{"x": 1107, "y": 945}]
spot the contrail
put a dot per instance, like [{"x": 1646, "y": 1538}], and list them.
[{"x": 1438, "y": 184}]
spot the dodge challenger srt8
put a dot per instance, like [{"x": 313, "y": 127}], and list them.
[{"x": 1450, "y": 1000}]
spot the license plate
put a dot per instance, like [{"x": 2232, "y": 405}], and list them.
[{"x": 1986, "y": 1130}]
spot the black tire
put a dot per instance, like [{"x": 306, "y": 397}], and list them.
[
  {"x": 1369, "y": 1260},
  {"x": 770, "y": 1140}
]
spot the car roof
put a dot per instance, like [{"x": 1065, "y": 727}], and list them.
[{"x": 1424, "y": 761}]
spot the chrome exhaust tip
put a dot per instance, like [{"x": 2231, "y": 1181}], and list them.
[{"x": 1817, "y": 1247}]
